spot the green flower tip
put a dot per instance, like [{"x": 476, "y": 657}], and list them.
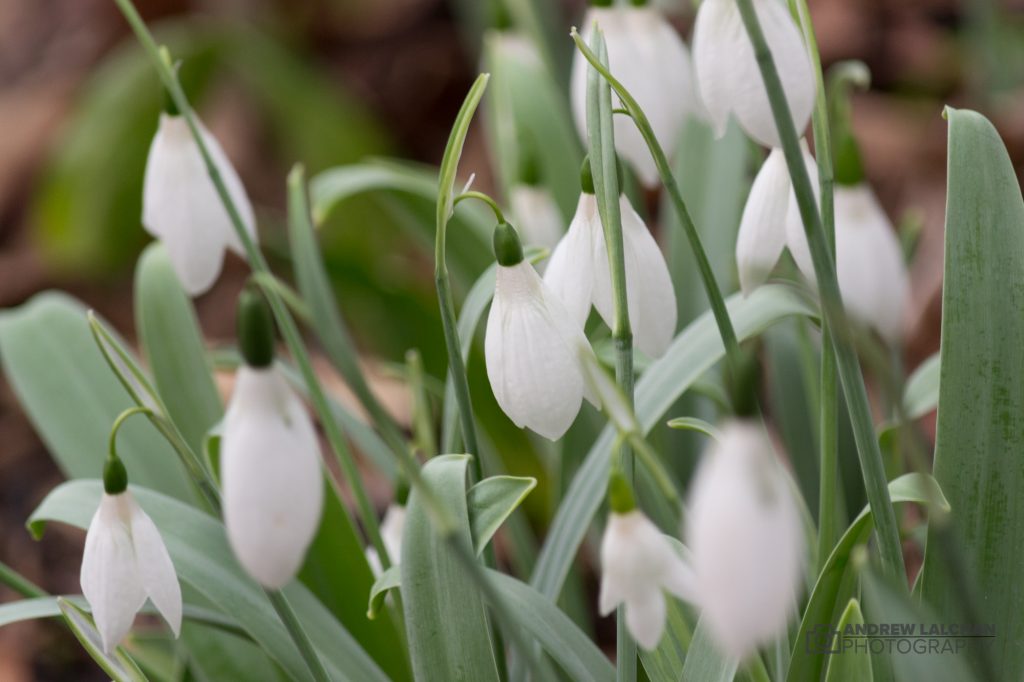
[
  {"x": 849, "y": 165},
  {"x": 638, "y": 3},
  {"x": 620, "y": 494},
  {"x": 255, "y": 329},
  {"x": 529, "y": 166},
  {"x": 402, "y": 491},
  {"x": 602, "y": 3},
  {"x": 508, "y": 250},
  {"x": 501, "y": 20},
  {"x": 115, "y": 477},
  {"x": 744, "y": 382},
  {"x": 586, "y": 176}
]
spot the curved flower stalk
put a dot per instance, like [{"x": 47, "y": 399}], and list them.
[
  {"x": 181, "y": 208},
  {"x": 270, "y": 460},
  {"x": 532, "y": 346},
  {"x": 579, "y": 273},
  {"x": 728, "y": 78},
  {"x": 638, "y": 566},
  {"x": 746, "y": 538},
  {"x": 764, "y": 227},
  {"x": 650, "y": 59},
  {"x": 125, "y": 561},
  {"x": 869, "y": 261}
]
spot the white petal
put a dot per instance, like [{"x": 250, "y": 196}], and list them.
[
  {"x": 727, "y": 72},
  {"x": 746, "y": 539},
  {"x": 796, "y": 236},
  {"x": 762, "y": 234},
  {"x": 156, "y": 571},
  {"x": 391, "y": 531},
  {"x": 536, "y": 215},
  {"x": 570, "y": 271},
  {"x": 533, "y": 366},
  {"x": 109, "y": 577},
  {"x": 373, "y": 559},
  {"x": 649, "y": 293},
  {"x": 270, "y": 472},
  {"x": 645, "y": 618},
  {"x": 181, "y": 207}
]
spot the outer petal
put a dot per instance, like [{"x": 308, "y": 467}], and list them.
[
  {"x": 181, "y": 207},
  {"x": 649, "y": 292},
  {"x": 746, "y": 538},
  {"x": 728, "y": 75},
  {"x": 796, "y": 236},
  {"x": 533, "y": 368},
  {"x": 391, "y": 531},
  {"x": 762, "y": 234},
  {"x": 570, "y": 271},
  {"x": 270, "y": 470},
  {"x": 645, "y": 617},
  {"x": 156, "y": 571},
  {"x": 537, "y": 215},
  {"x": 109, "y": 577}
]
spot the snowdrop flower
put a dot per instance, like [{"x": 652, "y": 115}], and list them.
[
  {"x": 729, "y": 79},
  {"x": 764, "y": 227},
  {"x": 270, "y": 460},
  {"x": 181, "y": 207},
  {"x": 125, "y": 561},
  {"x": 869, "y": 260},
  {"x": 649, "y": 58},
  {"x": 638, "y": 565},
  {"x": 391, "y": 533},
  {"x": 532, "y": 346},
  {"x": 746, "y": 538},
  {"x": 578, "y": 273}
]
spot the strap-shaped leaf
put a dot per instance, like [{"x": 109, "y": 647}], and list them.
[
  {"x": 491, "y": 501},
  {"x": 118, "y": 664}
]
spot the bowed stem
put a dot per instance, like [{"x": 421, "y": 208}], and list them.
[
  {"x": 833, "y": 314},
  {"x": 604, "y": 169}
]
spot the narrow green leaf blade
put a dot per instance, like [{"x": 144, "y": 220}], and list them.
[
  {"x": 491, "y": 501},
  {"x": 853, "y": 665},
  {"x": 921, "y": 394},
  {"x": 703, "y": 662},
  {"x": 118, "y": 665}
]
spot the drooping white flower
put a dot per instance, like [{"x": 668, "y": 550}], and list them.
[
  {"x": 579, "y": 275},
  {"x": 767, "y": 214},
  {"x": 651, "y": 61},
  {"x": 746, "y": 539},
  {"x": 270, "y": 475},
  {"x": 391, "y": 534},
  {"x": 533, "y": 352},
  {"x": 729, "y": 79},
  {"x": 537, "y": 215},
  {"x": 181, "y": 207},
  {"x": 638, "y": 565},
  {"x": 869, "y": 260},
  {"x": 125, "y": 561}
]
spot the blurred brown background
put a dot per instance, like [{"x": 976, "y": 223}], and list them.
[{"x": 395, "y": 71}]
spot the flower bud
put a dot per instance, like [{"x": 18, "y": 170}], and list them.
[{"x": 255, "y": 329}]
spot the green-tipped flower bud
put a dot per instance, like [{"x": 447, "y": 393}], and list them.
[
  {"x": 508, "y": 250},
  {"x": 620, "y": 494},
  {"x": 744, "y": 382},
  {"x": 255, "y": 329},
  {"x": 115, "y": 477}
]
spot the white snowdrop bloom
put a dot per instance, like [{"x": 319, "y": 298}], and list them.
[
  {"x": 181, "y": 207},
  {"x": 651, "y": 61},
  {"x": 767, "y": 214},
  {"x": 638, "y": 565},
  {"x": 872, "y": 275},
  {"x": 391, "y": 534},
  {"x": 746, "y": 538},
  {"x": 125, "y": 561},
  {"x": 579, "y": 275},
  {"x": 728, "y": 78},
  {"x": 270, "y": 475},
  {"x": 537, "y": 215},
  {"x": 533, "y": 347}
]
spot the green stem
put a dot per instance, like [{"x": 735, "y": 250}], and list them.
[
  {"x": 19, "y": 583},
  {"x": 121, "y": 419},
  {"x": 422, "y": 419},
  {"x": 734, "y": 357},
  {"x": 298, "y": 634},
  {"x": 828, "y": 526},
  {"x": 832, "y": 306}
]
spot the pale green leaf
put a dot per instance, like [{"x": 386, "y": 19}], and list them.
[
  {"x": 117, "y": 664},
  {"x": 852, "y": 665},
  {"x": 491, "y": 501}
]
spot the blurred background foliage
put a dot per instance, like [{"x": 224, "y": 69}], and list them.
[{"x": 363, "y": 93}]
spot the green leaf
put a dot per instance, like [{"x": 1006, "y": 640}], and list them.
[
  {"x": 837, "y": 580},
  {"x": 664, "y": 663},
  {"x": 693, "y": 424},
  {"x": 980, "y": 430},
  {"x": 448, "y": 631},
  {"x": 852, "y": 666},
  {"x": 118, "y": 664},
  {"x": 491, "y": 501},
  {"x": 169, "y": 332},
  {"x": 921, "y": 394},
  {"x": 72, "y": 398},
  {"x": 388, "y": 580},
  {"x": 703, "y": 662},
  {"x": 695, "y": 350},
  {"x": 198, "y": 547}
]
